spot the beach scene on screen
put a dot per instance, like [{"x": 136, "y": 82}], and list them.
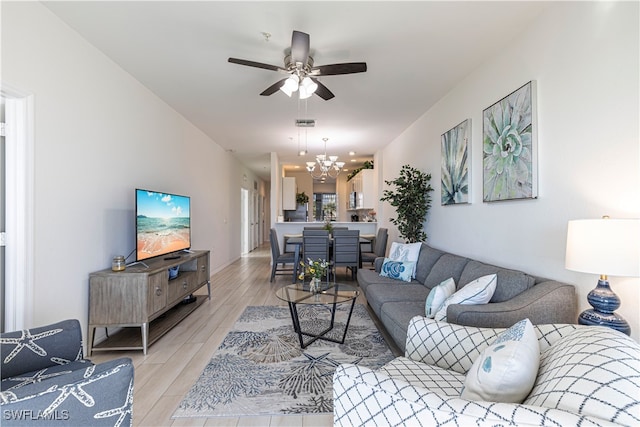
[{"x": 163, "y": 223}]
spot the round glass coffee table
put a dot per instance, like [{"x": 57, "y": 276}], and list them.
[{"x": 330, "y": 294}]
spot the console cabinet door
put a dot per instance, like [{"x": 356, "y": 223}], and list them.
[
  {"x": 203, "y": 269},
  {"x": 157, "y": 292}
]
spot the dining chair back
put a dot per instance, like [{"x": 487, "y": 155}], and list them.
[
  {"x": 346, "y": 250},
  {"x": 279, "y": 260},
  {"x": 379, "y": 247},
  {"x": 315, "y": 245}
]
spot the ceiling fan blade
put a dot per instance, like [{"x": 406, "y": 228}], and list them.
[
  {"x": 335, "y": 69},
  {"x": 322, "y": 91},
  {"x": 256, "y": 64},
  {"x": 273, "y": 88},
  {"x": 300, "y": 47}
]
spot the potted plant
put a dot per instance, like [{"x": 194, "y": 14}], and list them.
[
  {"x": 302, "y": 198},
  {"x": 412, "y": 202}
]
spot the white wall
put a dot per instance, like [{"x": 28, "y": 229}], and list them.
[
  {"x": 584, "y": 57},
  {"x": 99, "y": 135}
]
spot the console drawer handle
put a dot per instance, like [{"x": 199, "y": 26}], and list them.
[{"x": 158, "y": 291}]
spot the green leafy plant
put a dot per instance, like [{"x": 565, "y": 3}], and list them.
[
  {"x": 302, "y": 198},
  {"x": 412, "y": 201},
  {"x": 366, "y": 165}
]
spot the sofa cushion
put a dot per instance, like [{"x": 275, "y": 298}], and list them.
[
  {"x": 398, "y": 270},
  {"x": 395, "y": 317},
  {"x": 438, "y": 380},
  {"x": 427, "y": 259},
  {"x": 448, "y": 265},
  {"x": 506, "y": 370},
  {"x": 593, "y": 371},
  {"x": 437, "y": 296},
  {"x": 479, "y": 291},
  {"x": 380, "y": 293},
  {"x": 25, "y": 350},
  {"x": 510, "y": 282},
  {"x": 405, "y": 252}
]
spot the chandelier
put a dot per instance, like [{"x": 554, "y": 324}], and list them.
[{"x": 325, "y": 166}]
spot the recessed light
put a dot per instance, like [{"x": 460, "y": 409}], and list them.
[
  {"x": 352, "y": 153},
  {"x": 354, "y": 160}
]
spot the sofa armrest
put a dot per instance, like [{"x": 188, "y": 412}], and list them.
[
  {"x": 377, "y": 263},
  {"x": 447, "y": 345},
  {"x": 38, "y": 348},
  {"x": 364, "y": 397},
  {"x": 99, "y": 395},
  {"x": 546, "y": 302}
]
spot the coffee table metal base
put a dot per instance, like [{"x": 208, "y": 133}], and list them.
[{"x": 320, "y": 336}]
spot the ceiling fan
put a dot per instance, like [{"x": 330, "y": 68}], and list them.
[{"x": 302, "y": 73}]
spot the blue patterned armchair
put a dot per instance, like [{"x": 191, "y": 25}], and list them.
[
  {"x": 46, "y": 381},
  {"x": 588, "y": 376}
]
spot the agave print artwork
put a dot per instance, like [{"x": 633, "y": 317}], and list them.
[
  {"x": 455, "y": 164},
  {"x": 508, "y": 146}
]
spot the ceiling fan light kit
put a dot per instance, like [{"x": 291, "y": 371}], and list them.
[{"x": 302, "y": 71}]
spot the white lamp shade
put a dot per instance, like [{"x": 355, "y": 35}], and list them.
[
  {"x": 290, "y": 85},
  {"x": 604, "y": 246}
]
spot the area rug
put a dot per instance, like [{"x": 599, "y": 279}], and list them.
[{"x": 260, "y": 369}]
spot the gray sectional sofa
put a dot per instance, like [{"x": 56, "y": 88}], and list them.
[{"x": 518, "y": 295}]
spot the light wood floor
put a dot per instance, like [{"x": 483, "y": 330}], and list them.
[{"x": 174, "y": 363}]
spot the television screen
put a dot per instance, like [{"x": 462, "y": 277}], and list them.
[{"x": 163, "y": 223}]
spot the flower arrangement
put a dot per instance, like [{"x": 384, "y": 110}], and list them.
[{"x": 316, "y": 269}]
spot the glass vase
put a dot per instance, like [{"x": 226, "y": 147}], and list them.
[{"x": 314, "y": 285}]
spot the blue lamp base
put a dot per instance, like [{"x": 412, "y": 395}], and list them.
[{"x": 604, "y": 302}]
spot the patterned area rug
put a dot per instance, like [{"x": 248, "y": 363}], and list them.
[{"x": 260, "y": 369}]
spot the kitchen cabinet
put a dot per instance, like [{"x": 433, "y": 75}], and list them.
[{"x": 289, "y": 194}]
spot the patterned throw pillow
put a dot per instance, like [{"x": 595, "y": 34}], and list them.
[
  {"x": 400, "y": 270},
  {"x": 592, "y": 371},
  {"x": 479, "y": 291},
  {"x": 507, "y": 369},
  {"x": 437, "y": 297},
  {"x": 405, "y": 252}
]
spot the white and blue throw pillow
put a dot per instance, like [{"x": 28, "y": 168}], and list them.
[
  {"x": 406, "y": 252},
  {"x": 479, "y": 291},
  {"x": 506, "y": 370},
  {"x": 399, "y": 270},
  {"x": 437, "y": 296}
]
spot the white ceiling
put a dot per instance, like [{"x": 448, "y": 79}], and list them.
[{"x": 415, "y": 52}]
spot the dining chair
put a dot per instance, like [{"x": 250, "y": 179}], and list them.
[
  {"x": 315, "y": 245},
  {"x": 280, "y": 260},
  {"x": 346, "y": 250},
  {"x": 379, "y": 248}
]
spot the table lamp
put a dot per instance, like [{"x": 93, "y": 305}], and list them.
[{"x": 604, "y": 246}]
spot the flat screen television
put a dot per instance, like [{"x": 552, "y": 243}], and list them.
[{"x": 163, "y": 224}]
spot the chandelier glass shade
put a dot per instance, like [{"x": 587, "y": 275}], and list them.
[{"x": 325, "y": 166}]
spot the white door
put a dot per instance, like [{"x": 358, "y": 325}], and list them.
[
  {"x": 17, "y": 209},
  {"x": 244, "y": 221}
]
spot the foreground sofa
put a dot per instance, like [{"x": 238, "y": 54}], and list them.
[
  {"x": 587, "y": 376},
  {"x": 518, "y": 295},
  {"x": 46, "y": 381}
]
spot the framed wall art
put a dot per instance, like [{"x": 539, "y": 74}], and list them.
[
  {"x": 455, "y": 154},
  {"x": 509, "y": 147}
]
